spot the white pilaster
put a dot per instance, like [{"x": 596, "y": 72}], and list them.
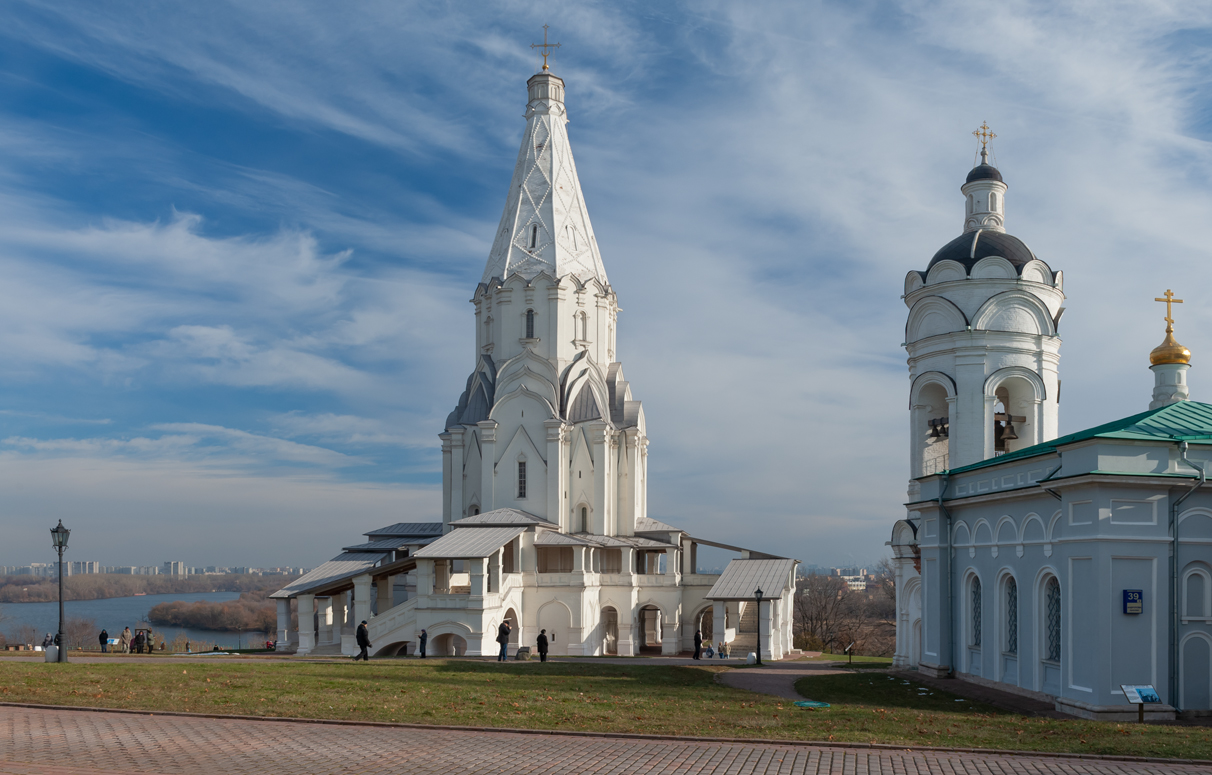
[{"x": 307, "y": 623}]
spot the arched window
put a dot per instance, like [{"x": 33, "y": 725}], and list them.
[
  {"x": 530, "y": 324},
  {"x": 1196, "y": 603},
  {"x": 970, "y": 204},
  {"x": 993, "y": 203},
  {"x": 534, "y": 235},
  {"x": 521, "y": 478},
  {"x": 1052, "y": 620},
  {"x": 474, "y": 510},
  {"x": 975, "y": 622},
  {"x": 1011, "y": 616},
  {"x": 584, "y": 327},
  {"x": 584, "y": 520}
]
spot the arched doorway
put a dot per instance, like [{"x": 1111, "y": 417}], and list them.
[
  {"x": 515, "y": 630},
  {"x": 610, "y": 630},
  {"x": 1195, "y": 673},
  {"x": 448, "y": 645},
  {"x": 650, "y": 629},
  {"x": 706, "y": 625},
  {"x": 557, "y": 620}
]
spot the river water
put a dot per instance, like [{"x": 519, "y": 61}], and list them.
[{"x": 117, "y": 612}]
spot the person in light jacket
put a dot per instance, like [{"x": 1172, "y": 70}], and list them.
[
  {"x": 541, "y": 644},
  {"x": 124, "y": 640}
]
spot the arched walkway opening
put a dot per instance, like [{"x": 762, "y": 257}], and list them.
[
  {"x": 706, "y": 624},
  {"x": 448, "y": 645},
  {"x": 650, "y": 630},
  {"x": 610, "y": 630}
]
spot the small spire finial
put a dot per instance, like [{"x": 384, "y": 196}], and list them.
[
  {"x": 545, "y": 45},
  {"x": 984, "y": 134},
  {"x": 1169, "y": 351}
]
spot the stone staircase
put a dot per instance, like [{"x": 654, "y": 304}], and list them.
[{"x": 746, "y": 632}]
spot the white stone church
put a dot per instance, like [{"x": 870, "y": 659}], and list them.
[
  {"x": 1055, "y": 567},
  {"x": 545, "y": 475}
]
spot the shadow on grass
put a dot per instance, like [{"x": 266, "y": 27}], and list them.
[{"x": 886, "y": 691}]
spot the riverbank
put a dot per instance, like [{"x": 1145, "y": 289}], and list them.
[{"x": 102, "y": 586}]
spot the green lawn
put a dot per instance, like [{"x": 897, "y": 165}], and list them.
[{"x": 615, "y": 697}]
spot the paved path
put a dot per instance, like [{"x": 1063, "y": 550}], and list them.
[
  {"x": 777, "y": 678},
  {"x": 68, "y": 742}
]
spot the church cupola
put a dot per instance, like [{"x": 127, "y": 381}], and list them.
[
  {"x": 985, "y": 191},
  {"x": 1169, "y": 362}
]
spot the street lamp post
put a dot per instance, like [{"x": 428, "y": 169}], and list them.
[
  {"x": 758, "y": 595},
  {"x": 59, "y": 536}
]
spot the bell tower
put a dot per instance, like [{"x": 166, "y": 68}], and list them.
[{"x": 981, "y": 337}]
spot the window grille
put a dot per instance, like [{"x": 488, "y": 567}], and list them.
[
  {"x": 1011, "y": 616},
  {"x": 1052, "y": 613},
  {"x": 521, "y": 478},
  {"x": 530, "y": 324},
  {"x": 976, "y": 612}
]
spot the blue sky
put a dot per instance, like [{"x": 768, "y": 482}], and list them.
[{"x": 237, "y": 243}]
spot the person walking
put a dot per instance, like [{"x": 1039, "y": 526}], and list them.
[
  {"x": 424, "y": 637},
  {"x": 363, "y": 635},
  {"x": 124, "y": 640},
  {"x": 503, "y": 639},
  {"x": 698, "y": 644},
  {"x": 541, "y": 644},
  {"x": 104, "y": 640}
]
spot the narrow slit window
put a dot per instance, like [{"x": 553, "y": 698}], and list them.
[
  {"x": 1052, "y": 620},
  {"x": 530, "y": 324},
  {"x": 1011, "y": 616},
  {"x": 534, "y": 235},
  {"x": 521, "y": 478},
  {"x": 993, "y": 202},
  {"x": 976, "y": 612},
  {"x": 584, "y": 520}
]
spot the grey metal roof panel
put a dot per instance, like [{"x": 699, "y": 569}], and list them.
[
  {"x": 552, "y": 538},
  {"x": 467, "y": 543},
  {"x": 391, "y": 544},
  {"x": 743, "y": 577},
  {"x": 649, "y": 525},
  {"x": 500, "y": 517},
  {"x": 407, "y": 529},
  {"x": 343, "y": 566}
]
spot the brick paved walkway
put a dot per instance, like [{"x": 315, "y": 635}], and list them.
[{"x": 65, "y": 742}]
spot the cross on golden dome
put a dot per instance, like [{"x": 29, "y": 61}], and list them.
[
  {"x": 545, "y": 45},
  {"x": 1169, "y": 351}
]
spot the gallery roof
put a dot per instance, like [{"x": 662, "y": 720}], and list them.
[
  {"x": 500, "y": 517},
  {"x": 463, "y": 544},
  {"x": 743, "y": 577},
  {"x": 340, "y": 568}
]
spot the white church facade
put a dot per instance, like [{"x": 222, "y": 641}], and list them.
[
  {"x": 1056, "y": 567},
  {"x": 545, "y": 475}
]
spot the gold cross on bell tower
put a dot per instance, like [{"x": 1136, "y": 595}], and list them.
[
  {"x": 984, "y": 134},
  {"x": 545, "y": 45},
  {"x": 1168, "y": 297}
]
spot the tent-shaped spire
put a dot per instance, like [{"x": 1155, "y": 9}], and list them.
[{"x": 545, "y": 227}]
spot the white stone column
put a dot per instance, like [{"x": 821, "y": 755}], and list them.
[
  {"x": 477, "y": 577},
  {"x": 455, "y": 479},
  {"x": 324, "y": 614},
  {"x": 283, "y": 622},
  {"x": 627, "y": 629},
  {"x": 488, "y": 466},
  {"x": 671, "y": 640},
  {"x": 598, "y": 433},
  {"x": 764, "y": 627},
  {"x": 361, "y": 599},
  {"x": 718, "y": 619},
  {"x": 557, "y": 473},
  {"x": 307, "y": 624}
]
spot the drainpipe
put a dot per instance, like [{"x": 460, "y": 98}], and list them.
[
  {"x": 1174, "y": 570},
  {"x": 950, "y": 641}
]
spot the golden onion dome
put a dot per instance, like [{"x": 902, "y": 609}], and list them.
[{"x": 1169, "y": 351}]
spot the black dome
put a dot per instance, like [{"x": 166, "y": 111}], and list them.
[
  {"x": 984, "y": 172},
  {"x": 987, "y": 243}
]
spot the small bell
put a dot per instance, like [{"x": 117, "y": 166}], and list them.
[{"x": 1008, "y": 432}]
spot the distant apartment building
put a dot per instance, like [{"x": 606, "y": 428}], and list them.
[
  {"x": 82, "y": 568},
  {"x": 175, "y": 568}
]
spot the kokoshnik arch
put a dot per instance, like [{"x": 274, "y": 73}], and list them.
[
  {"x": 1019, "y": 549},
  {"x": 544, "y": 474}
]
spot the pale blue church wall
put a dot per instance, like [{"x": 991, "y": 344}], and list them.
[{"x": 1108, "y": 531}]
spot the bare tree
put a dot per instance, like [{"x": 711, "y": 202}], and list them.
[
  {"x": 820, "y": 606},
  {"x": 79, "y": 631}
]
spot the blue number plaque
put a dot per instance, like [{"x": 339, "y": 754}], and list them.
[{"x": 1134, "y": 601}]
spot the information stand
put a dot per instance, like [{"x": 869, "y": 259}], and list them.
[{"x": 1139, "y": 695}]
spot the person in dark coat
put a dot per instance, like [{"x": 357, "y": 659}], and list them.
[
  {"x": 541, "y": 644},
  {"x": 363, "y": 642},
  {"x": 139, "y": 637},
  {"x": 104, "y": 640},
  {"x": 503, "y": 639},
  {"x": 698, "y": 644},
  {"x": 424, "y": 637}
]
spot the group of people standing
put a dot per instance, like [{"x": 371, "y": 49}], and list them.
[{"x": 129, "y": 642}]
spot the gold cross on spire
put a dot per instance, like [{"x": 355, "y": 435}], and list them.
[
  {"x": 545, "y": 45},
  {"x": 984, "y": 134},
  {"x": 1168, "y": 297}
]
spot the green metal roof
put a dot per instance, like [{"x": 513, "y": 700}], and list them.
[{"x": 1182, "y": 421}]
